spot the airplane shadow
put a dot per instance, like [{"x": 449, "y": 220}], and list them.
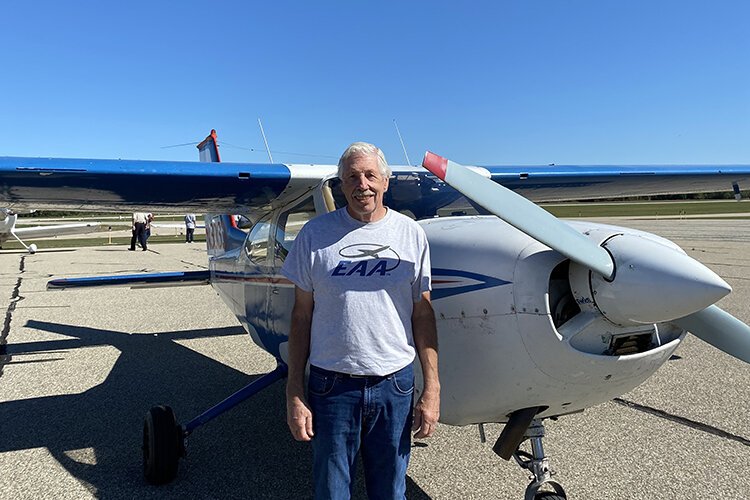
[{"x": 246, "y": 453}]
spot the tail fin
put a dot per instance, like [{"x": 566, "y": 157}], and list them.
[
  {"x": 222, "y": 234},
  {"x": 208, "y": 150}
]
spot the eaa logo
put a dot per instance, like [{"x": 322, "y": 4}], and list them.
[{"x": 367, "y": 259}]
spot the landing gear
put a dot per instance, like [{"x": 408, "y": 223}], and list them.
[
  {"x": 538, "y": 464},
  {"x": 29, "y": 248},
  {"x": 164, "y": 440},
  {"x": 524, "y": 426},
  {"x": 162, "y": 445}
]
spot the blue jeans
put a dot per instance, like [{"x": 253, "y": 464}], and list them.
[{"x": 371, "y": 414}]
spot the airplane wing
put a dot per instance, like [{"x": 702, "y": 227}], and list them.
[
  {"x": 31, "y": 232},
  {"x": 146, "y": 280},
  {"x": 134, "y": 185},
  {"x": 122, "y": 185},
  {"x": 581, "y": 182},
  {"x": 174, "y": 225}
]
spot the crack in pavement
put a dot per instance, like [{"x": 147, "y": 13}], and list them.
[
  {"x": 15, "y": 298},
  {"x": 683, "y": 421}
]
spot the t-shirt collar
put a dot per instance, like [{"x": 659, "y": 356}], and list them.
[{"x": 358, "y": 223}]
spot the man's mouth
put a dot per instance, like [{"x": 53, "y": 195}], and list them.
[{"x": 363, "y": 195}]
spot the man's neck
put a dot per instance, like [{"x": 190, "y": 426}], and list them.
[{"x": 374, "y": 216}]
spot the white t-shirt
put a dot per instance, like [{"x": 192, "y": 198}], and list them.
[{"x": 365, "y": 279}]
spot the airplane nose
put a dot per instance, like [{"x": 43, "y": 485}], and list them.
[{"x": 653, "y": 283}]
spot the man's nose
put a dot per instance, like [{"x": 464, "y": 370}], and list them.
[{"x": 362, "y": 181}]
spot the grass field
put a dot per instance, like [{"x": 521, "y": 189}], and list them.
[{"x": 649, "y": 209}]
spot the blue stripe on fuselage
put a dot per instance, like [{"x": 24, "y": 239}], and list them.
[{"x": 482, "y": 282}]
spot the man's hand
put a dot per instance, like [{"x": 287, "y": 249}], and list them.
[
  {"x": 426, "y": 415},
  {"x": 298, "y": 414},
  {"x": 427, "y": 410},
  {"x": 299, "y": 418}
]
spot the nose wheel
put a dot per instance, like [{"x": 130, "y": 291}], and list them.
[
  {"x": 163, "y": 445},
  {"x": 538, "y": 465}
]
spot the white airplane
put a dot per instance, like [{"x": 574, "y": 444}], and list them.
[
  {"x": 9, "y": 229},
  {"x": 537, "y": 318}
]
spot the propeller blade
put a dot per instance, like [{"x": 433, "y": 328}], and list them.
[
  {"x": 522, "y": 214},
  {"x": 720, "y": 329}
]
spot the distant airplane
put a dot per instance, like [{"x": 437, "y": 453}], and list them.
[
  {"x": 9, "y": 229},
  {"x": 537, "y": 317}
]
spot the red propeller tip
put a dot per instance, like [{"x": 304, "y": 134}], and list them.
[{"x": 435, "y": 164}]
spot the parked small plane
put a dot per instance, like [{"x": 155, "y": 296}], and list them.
[
  {"x": 9, "y": 229},
  {"x": 537, "y": 317}
]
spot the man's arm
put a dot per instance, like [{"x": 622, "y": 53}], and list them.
[
  {"x": 298, "y": 414},
  {"x": 427, "y": 409}
]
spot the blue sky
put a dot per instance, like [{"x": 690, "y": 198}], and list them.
[{"x": 521, "y": 82}]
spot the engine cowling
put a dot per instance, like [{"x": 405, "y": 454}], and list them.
[{"x": 514, "y": 333}]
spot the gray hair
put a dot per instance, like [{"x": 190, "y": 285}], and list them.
[{"x": 363, "y": 149}]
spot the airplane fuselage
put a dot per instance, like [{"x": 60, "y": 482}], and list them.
[{"x": 512, "y": 333}]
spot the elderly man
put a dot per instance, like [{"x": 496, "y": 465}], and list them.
[
  {"x": 140, "y": 220},
  {"x": 361, "y": 314}
]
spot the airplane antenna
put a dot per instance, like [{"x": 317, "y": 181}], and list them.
[
  {"x": 264, "y": 140},
  {"x": 402, "y": 142}
]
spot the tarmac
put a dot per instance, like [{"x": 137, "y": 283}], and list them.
[{"x": 82, "y": 367}]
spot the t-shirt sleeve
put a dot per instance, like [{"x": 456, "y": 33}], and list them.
[
  {"x": 423, "y": 281},
  {"x": 298, "y": 263}
]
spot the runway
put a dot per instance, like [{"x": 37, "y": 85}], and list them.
[{"x": 81, "y": 368}]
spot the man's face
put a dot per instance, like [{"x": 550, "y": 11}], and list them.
[{"x": 363, "y": 186}]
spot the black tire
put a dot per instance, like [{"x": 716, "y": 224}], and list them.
[
  {"x": 162, "y": 445},
  {"x": 549, "y": 495}
]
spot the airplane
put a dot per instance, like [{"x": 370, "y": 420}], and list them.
[
  {"x": 8, "y": 229},
  {"x": 537, "y": 318}
]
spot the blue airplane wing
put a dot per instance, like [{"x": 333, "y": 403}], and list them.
[
  {"x": 130, "y": 185},
  {"x": 581, "y": 182},
  {"x": 134, "y": 280},
  {"x": 125, "y": 185}
]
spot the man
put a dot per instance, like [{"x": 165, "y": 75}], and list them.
[
  {"x": 139, "y": 231},
  {"x": 189, "y": 227},
  {"x": 361, "y": 313},
  {"x": 149, "y": 220}
]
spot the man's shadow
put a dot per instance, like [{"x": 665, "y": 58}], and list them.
[{"x": 245, "y": 453}]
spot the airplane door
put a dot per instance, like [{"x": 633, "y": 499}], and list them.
[
  {"x": 257, "y": 265},
  {"x": 288, "y": 225}
]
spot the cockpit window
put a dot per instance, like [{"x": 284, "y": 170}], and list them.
[
  {"x": 289, "y": 225},
  {"x": 256, "y": 243},
  {"x": 420, "y": 196}
]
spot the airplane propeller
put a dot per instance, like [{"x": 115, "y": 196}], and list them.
[
  {"x": 696, "y": 284},
  {"x": 720, "y": 329},
  {"x": 522, "y": 214}
]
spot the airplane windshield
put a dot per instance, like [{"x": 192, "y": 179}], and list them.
[
  {"x": 420, "y": 196},
  {"x": 289, "y": 225},
  {"x": 256, "y": 244}
]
